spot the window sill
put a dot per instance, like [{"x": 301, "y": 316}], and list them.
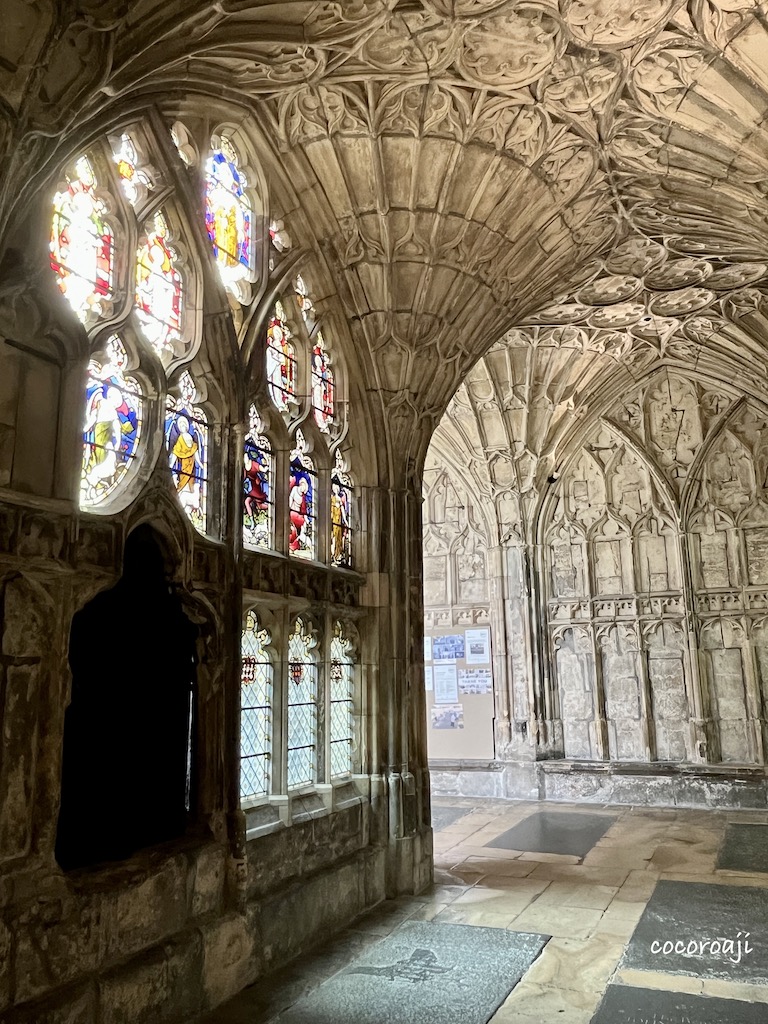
[{"x": 279, "y": 812}]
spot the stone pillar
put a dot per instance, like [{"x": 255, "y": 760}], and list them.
[
  {"x": 395, "y": 595},
  {"x": 513, "y": 670}
]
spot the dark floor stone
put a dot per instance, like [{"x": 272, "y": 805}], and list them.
[
  {"x": 423, "y": 973},
  {"x": 693, "y": 913},
  {"x": 555, "y": 832},
  {"x": 443, "y": 817},
  {"x": 745, "y": 848},
  {"x": 624, "y": 1005}
]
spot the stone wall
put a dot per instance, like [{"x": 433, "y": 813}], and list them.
[
  {"x": 180, "y": 927},
  {"x": 631, "y": 590},
  {"x": 654, "y": 574}
]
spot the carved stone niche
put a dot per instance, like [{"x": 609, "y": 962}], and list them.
[
  {"x": 611, "y": 550},
  {"x": 760, "y": 647},
  {"x": 435, "y": 580},
  {"x": 43, "y": 535},
  {"x": 9, "y": 522},
  {"x": 665, "y": 645},
  {"x": 715, "y": 550},
  {"x": 754, "y": 524},
  {"x": 568, "y": 562},
  {"x": 345, "y": 592},
  {"x": 309, "y": 583},
  {"x": 574, "y": 659},
  {"x": 207, "y": 564},
  {"x": 725, "y": 654},
  {"x": 96, "y": 544},
  {"x": 470, "y": 570},
  {"x": 622, "y": 682}
]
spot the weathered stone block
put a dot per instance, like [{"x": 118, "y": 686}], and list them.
[
  {"x": 18, "y": 708},
  {"x": 163, "y": 984},
  {"x": 6, "y": 939},
  {"x": 295, "y": 918},
  {"x": 57, "y": 940},
  {"x": 228, "y": 965},
  {"x": 26, "y": 620},
  {"x": 149, "y": 911},
  {"x": 209, "y": 867},
  {"x": 69, "y": 1006}
]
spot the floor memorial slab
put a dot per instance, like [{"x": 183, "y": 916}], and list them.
[
  {"x": 423, "y": 973},
  {"x": 705, "y": 931},
  {"x": 555, "y": 832},
  {"x": 444, "y": 817},
  {"x": 745, "y": 848},
  {"x": 622, "y": 1004}
]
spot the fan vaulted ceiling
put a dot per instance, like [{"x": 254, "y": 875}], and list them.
[{"x": 461, "y": 164}]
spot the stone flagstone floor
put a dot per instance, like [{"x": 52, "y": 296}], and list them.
[{"x": 590, "y": 906}]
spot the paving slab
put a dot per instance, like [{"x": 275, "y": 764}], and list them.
[
  {"x": 624, "y": 1005},
  {"x": 745, "y": 848},
  {"x": 424, "y": 973},
  {"x": 560, "y": 832},
  {"x": 703, "y": 930}
]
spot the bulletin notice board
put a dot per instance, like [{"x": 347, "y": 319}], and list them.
[{"x": 458, "y": 674}]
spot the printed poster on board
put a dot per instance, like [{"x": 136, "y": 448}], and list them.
[
  {"x": 478, "y": 647},
  {"x": 448, "y": 648},
  {"x": 475, "y": 680},
  {"x": 446, "y": 684},
  {"x": 447, "y": 716}
]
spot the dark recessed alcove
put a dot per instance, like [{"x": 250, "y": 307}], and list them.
[{"x": 127, "y": 751}]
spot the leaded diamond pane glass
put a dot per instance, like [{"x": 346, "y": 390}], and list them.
[
  {"x": 341, "y": 720},
  {"x": 302, "y": 710},
  {"x": 256, "y": 711}
]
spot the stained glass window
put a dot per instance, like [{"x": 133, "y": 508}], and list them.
[
  {"x": 228, "y": 215},
  {"x": 341, "y": 514},
  {"x": 82, "y": 243},
  {"x": 186, "y": 434},
  {"x": 158, "y": 289},
  {"x": 257, "y": 485},
  {"x": 301, "y": 501},
  {"x": 136, "y": 180},
  {"x": 255, "y": 711},
  {"x": 323, "y": 388},
  {"x": 113, "y": 411},
  {"x": 302, "y": 708},
  {"x": 341, "y": 706},
  {"x": 281, "y": 359}
]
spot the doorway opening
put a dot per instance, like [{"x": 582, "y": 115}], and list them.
[{"x": 127, "y": 768}]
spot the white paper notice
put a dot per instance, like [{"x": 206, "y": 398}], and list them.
[
  {"x": 478, "y": 647},
  {"x": 446, "y": 684},
  {"x": 429, "y": 679},
  {"x": 427, "y": 648}
]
